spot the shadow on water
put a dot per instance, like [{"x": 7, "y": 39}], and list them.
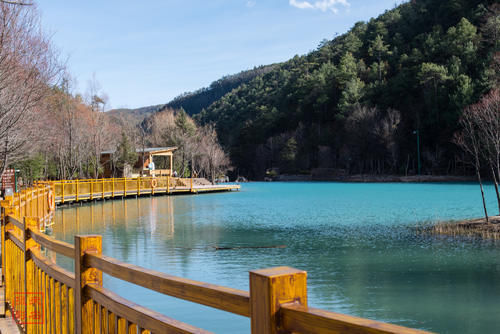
[{"x": 360, "y": 245}]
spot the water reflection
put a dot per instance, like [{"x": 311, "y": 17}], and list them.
[{"x": 127, "y": 221}]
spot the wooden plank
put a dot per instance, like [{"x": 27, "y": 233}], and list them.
[
  {"x": 72, "y": 313},
  {"x": 12, "y": 237},
  {"x": 226, "y": 299},
  {"x": 57, "y": 306},
  {"x": 303, "y": 319},
  {"x": 52, "y": 269},
  {"x": 52, "y": 305},
  {"x": 2, "y": 301},
  {"x": 85, "y": 275},
  {"x": 269, "y": 289},
  {"x": 29, "y": 279},
  {"x": 137, "y": 314},
  {"x": 15, "y": 222},
  {"x": 57, "y": 246}
]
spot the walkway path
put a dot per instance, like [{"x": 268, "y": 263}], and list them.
[{"x": 7, "y": 324}]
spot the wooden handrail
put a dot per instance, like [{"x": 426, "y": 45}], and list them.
[
  {"x": 14, "y": 238},
  {"x": 226, "y": 299},
  {"x": 55, "y": 245},
  {"x": 51, "y": 269},
  {"x": 298, "y": 318},
  {"x": 15, "y": 222},
  {"x": 145, "y": 318}
]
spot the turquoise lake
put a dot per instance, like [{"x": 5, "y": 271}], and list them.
[{"x": 359, "y": 243}]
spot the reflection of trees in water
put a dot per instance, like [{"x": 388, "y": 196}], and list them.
[
  {"x": 128, "y": 223},
  {"x": 150, "y": 230}
]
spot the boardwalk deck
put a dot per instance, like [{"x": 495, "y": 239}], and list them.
[
  {"x": 84, "y": 190},
  {"x": 157, "y": 191}
]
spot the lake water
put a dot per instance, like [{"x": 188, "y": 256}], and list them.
[{"x": 359, "y": 244}]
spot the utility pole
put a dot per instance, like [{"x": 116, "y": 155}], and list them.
[{"x": 416, "y": 132}]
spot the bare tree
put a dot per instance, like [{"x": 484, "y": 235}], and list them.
[
  {"x": 214, "y": 159},
  {"x": 469, "y": 140},
  {"x": 28, "y": 64},
  {"x": 97, "y": 100},
  {"x": 16, "y": 3},
  {"x": 386, "y": 131},
  {"x": 487, "y": 112},
  {"x": 175, "y": 128}
]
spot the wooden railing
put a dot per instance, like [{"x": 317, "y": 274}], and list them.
[
  {"x": 45, "y": 298},
  {"x": 92, "y": 189}
]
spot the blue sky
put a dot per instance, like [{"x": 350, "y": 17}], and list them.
[{"x": 147, "y": 52}]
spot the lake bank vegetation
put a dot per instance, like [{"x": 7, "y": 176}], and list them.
[
  {"x": 480, "y": 139},
  {"x": 469, "y": 227}
]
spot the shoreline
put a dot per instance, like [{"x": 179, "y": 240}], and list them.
[
  {"x": 475, "y": 227},
  {"x": 370, "y": 178}
]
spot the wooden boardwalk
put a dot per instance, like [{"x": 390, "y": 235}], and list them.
[
  {"x": 7, "y": 323},
  {"x": 95, "y": 189}
]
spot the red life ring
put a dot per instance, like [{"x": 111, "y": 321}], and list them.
[
  {"x": 154, "y": 183},
  {"x": 51, "y": 201}
]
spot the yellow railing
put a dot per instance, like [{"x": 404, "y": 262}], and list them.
[
  {"x": 91, "y": 189},
  {"x": 45, "y": 298}
]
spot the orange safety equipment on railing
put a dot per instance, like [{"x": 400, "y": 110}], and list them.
[
  {"x": 154, "y": 183},
  {"x": 51, "y": 201}
]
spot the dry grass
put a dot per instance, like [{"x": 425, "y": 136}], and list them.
[{"x": 471, "y": 227}]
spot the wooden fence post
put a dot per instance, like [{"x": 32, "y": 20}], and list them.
[
  {"x": 2, "y": 221},
  {"x": 38, "y": 201},
  {"x": 29, "y": 280},
  {"x": 77, "y": 190},
  {"x": 6, "y": 209},
  {"x": 85, "y": 275},
  {"x": 270, "y": 288}
]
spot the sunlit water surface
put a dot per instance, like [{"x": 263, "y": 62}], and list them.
[{"x": 358, "y": 242}]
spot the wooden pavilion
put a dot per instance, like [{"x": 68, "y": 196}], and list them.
[{"x": 144, "y": 157}]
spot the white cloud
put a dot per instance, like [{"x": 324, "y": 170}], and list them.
[
  {"x": 301, "y": 4},
  {"x": 322, "y": 5}
]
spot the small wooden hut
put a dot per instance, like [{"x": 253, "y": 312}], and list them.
[{"x": 163, "y": 164}]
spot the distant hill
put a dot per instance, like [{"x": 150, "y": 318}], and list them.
[
  {"x": 132, "y": 116},
  {"x": 194, "y": 102}
]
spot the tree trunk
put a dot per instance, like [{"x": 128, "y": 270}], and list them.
[
  {"x": 495, "y": 182},
  {"x": 482, "y": 195},
  {"x": 5, "y": 157}
]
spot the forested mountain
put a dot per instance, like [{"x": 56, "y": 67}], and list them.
[
  {"x": 194, "y": 102},
  {"x": 356, "y": 103},
  {"x": 132, "y": 116}
]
